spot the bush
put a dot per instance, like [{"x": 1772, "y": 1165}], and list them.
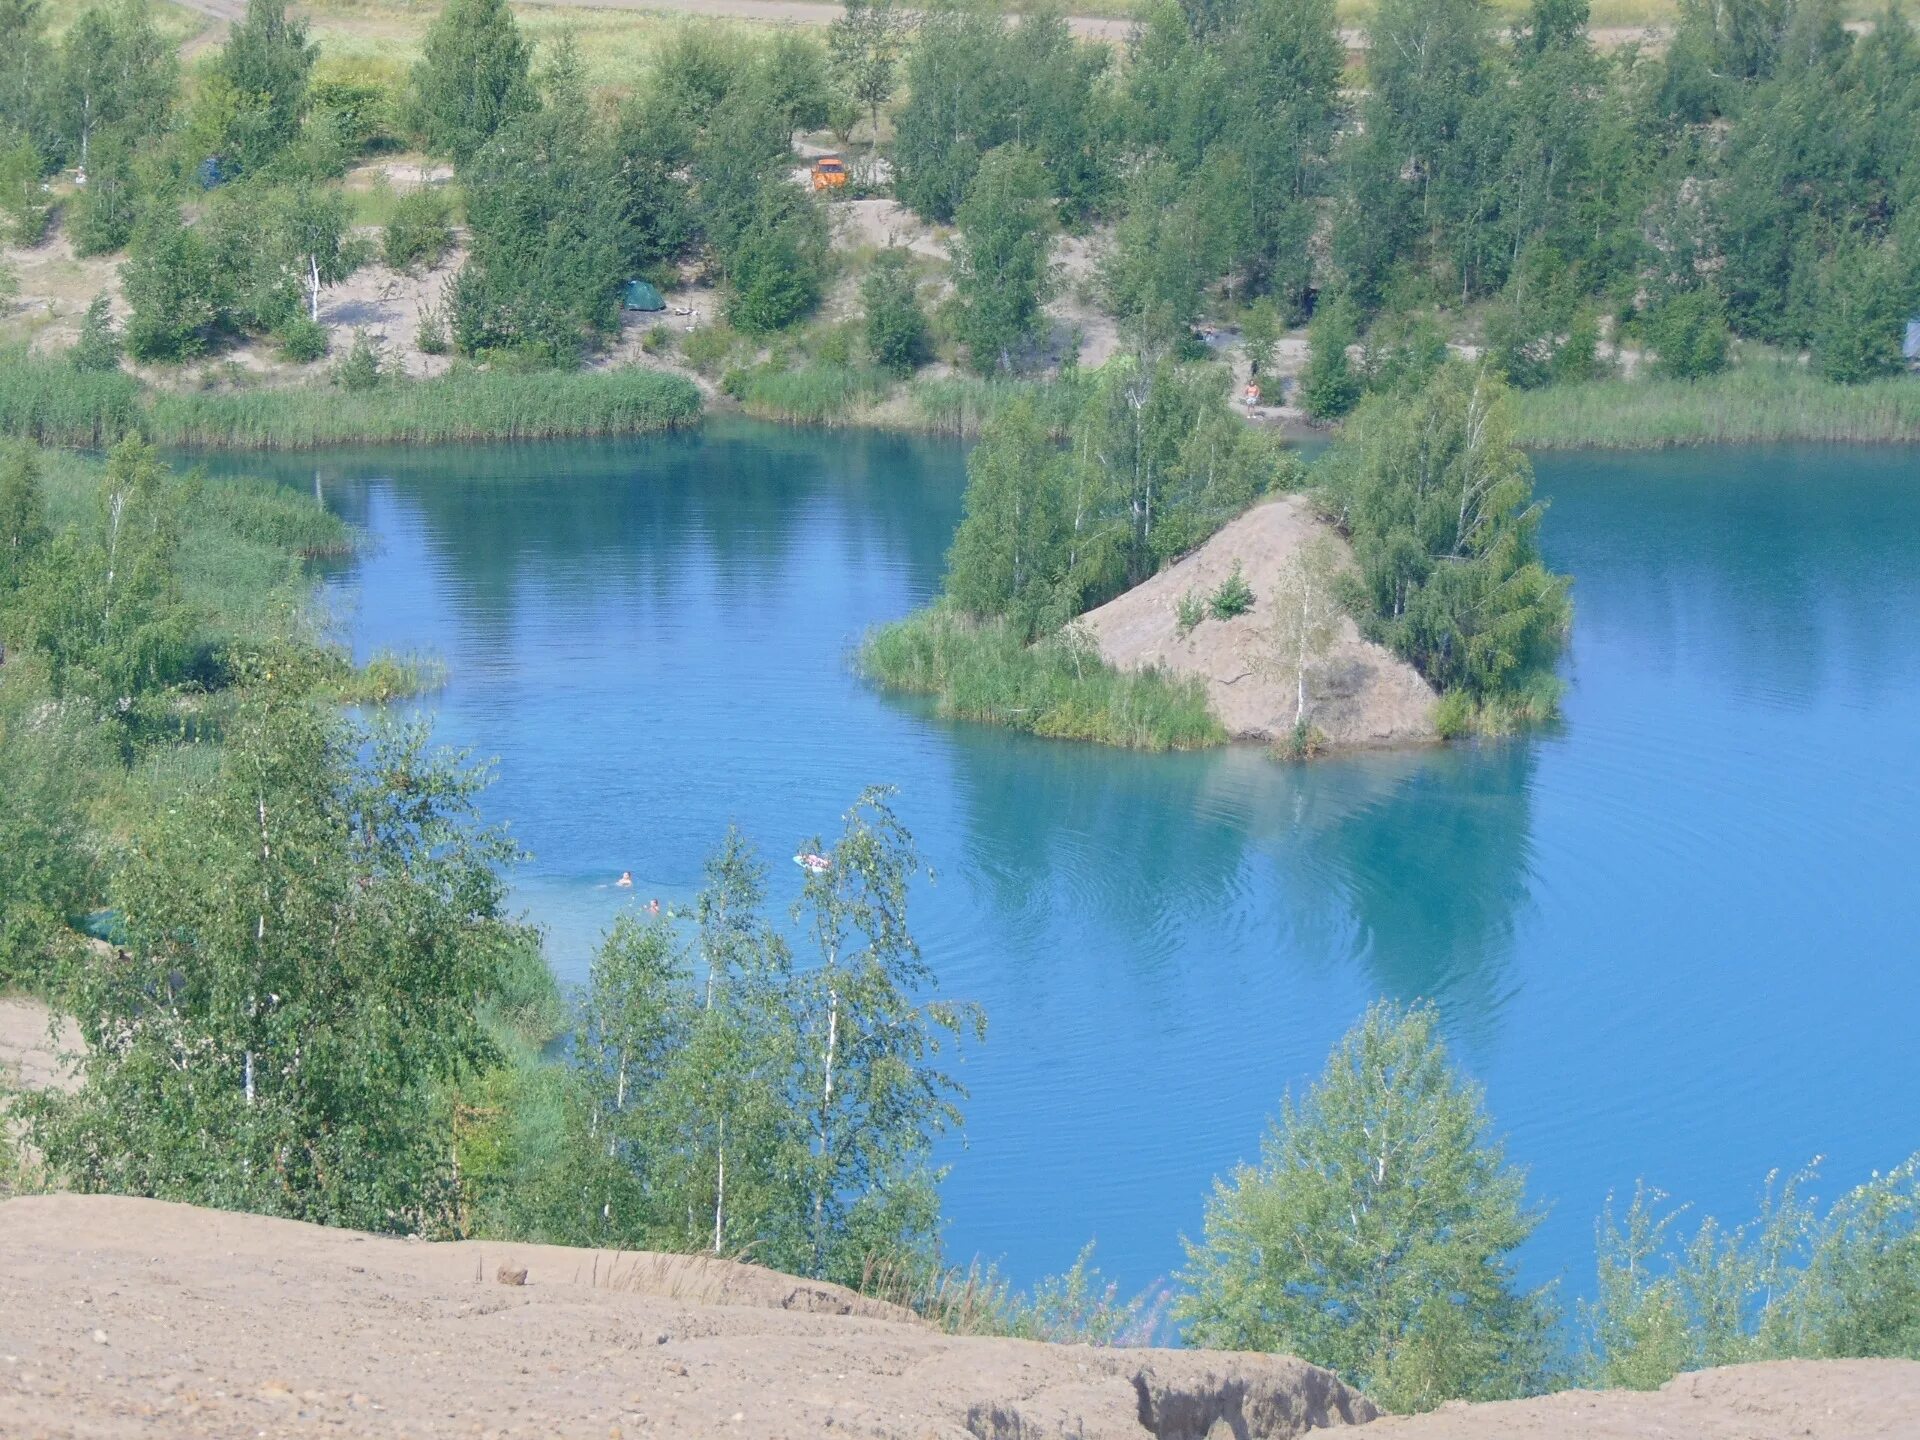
[
  {"x": 1189, "y": 611},
  {"x": 707, "y": 347},
  {"x": 657, "y": 341},
  {"x": 1390, "y": 1266},
  {"x": 303, "y": 340},
  {"x": 896, "y": 327},
  {"x": 432, "y": 337},
  {"x": 420, "y": 231},
  {"x": 1688, "y": 333},
  {"x": 1234, "y": 597},
  {"x": 98, "y": 348},
  {"x": 1329, "y": 388},
  {"x": 360, "y": 368}
]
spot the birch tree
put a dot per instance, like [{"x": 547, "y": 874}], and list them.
[
  {"x": 308, "y": 939},
  {"x": 875, "y": 1095},
  {"x": 1376, "y": 1235},
  {"x": 1306, "y": 617}
]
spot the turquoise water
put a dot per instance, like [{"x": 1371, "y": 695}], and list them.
[{"x": 1673, "y": 939}]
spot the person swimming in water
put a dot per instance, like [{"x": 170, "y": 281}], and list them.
[
  {"x": 653, "y": 907},
  {"x": 625, "y": 882}
]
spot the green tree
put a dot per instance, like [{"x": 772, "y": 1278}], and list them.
[
  {"x": 548, "y": 223},
  {"x": 308, "y": 942},
  {"x": 875, "y": 1095},
  {"x": 266, "y": 65},
  {"x": 174, "y": 289},
  {"x": 472, "y": 77},
  {"x": 1329, "y": 388},
  {"x": 1011, "y": 555},
  {"x": 1000, "y": 273},
  {"x": 865, "y": 44},
  {"x": 1794, "y": 1282},
  {"x": 23, "y": 518},
  {"x": 1438, "y": 502},
  {"x": 115, "y": 73},
  {"x": 1306, "y": 617},
  {"x": 896, "y": 327},
  {"x": 1376, "y": 1236},
  {"x": 1863, "y": 316},
  {"x": 1688, "y": 333},
  {"x": 776, "y": 265},
  {"x": 110, "y": 614},
  {"x": 1260, "y": 335},
  {"x": 98, "y": 348},
  {"x": 793, "y": 72},
  {"x": 29, "y": 65},
  {"x": 102, "y": 216}
]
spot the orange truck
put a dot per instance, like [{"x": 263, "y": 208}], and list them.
[{"x": 829, "y": 173}]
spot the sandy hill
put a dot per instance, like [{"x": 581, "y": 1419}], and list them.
[
  {"x": 124, "y": 1317},
  {"x": 1359, "y": 695}
]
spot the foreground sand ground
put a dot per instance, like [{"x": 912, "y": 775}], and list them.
[{"x": 134, "y": 1318}]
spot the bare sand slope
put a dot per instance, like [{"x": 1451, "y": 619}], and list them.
[
  {"x": 148, "y": 1319},
  {"x": 1780, "y": 1400},
  {"x": 30, "y": 1048},
  {"x": 1359, "y": 695}
]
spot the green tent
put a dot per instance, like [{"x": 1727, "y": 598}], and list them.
[{"x": 642, "y": 296}]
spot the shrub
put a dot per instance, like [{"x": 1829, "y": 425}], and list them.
[
  {"x": 1688, "y": 333},
  {"x": 98, "y": 348},
  {"x": 896, "y": 326},
  {"x": 657, "y": 341},
  {"x": 432, "y": 337},
  {"x": 302, "y": 340},
  {"x": 1189, "y": 611},
  {"x": 1329, "y": 388},
  {"x": 1234, "y": 597},
  {"x": 420, "y": 231},
  {"x": 360, "y": 367},
  {"x": 707, "y": 347},
  {"x": 1376, "y": 1235}
]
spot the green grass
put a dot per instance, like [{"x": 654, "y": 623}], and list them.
[
  {"x": 962, "y": 405},
  {"x": 980, "y": 670},
  {"x": 45, "y": 400},
  {"x": 1758, "y": 403},
  {"x": 830, "y": 395},
  {"x": 465, "y": 405},
  {"x": 49, "y": 401}
]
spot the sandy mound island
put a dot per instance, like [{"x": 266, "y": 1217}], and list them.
[{"x": 1359, "y": 695}]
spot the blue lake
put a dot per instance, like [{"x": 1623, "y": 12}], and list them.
[{"x": 1670, "y": 938}]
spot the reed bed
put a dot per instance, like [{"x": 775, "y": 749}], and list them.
[
  {"x": 466, "y": 405},
  {"x": 51, "y": 402},
  {"x": 1753, "y": 404},
  {"x": 1057, "y": 687},
  {"x": 962, "y": 405},
  {"x": 830, "y": 395}
]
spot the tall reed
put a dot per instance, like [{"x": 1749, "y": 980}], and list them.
[
  {"x": 1058, "y": 687},
  {"x": 49, "y": 401},
  {"x": 1759, "y": 403},
  {"x": 465, "y": 405}
]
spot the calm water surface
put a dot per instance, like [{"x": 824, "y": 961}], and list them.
[{"x": 1672, "y": 939}]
